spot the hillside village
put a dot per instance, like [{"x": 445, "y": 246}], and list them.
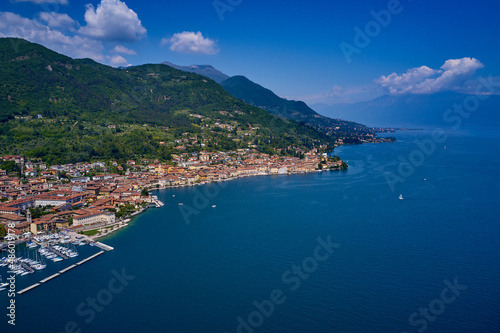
[{"x": 79, "y": 196}]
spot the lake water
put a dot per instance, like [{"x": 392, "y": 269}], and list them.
[{"x": 258, "y": 261}]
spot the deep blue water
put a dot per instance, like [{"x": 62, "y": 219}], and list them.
[{"x": 392, "y": 259}]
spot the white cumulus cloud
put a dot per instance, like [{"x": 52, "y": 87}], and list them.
[
  {"x": 190, "y": 42},
  {"x": 14, "y": 25},
  {"x": 425, "y": 80},
  {"x": 405, "y": 82},
  {"x": 123, "y": 49},
  {"x": 118, "y": 60},
  {"x": 112, "y": 20},
  {"x": 57, "y": 20}
]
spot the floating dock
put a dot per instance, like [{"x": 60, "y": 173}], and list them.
[
  {"x": 58, "y": 253},
  {"x": 61, "y": 272},
  {"x": 103, "y": 246},
  {"x": 67, "y": 269},
  {"x": 28, "y": 268},
  {"x": 29, "y": 288},
  {"x": 89, "y": 258},
  {"x": 157, "y": 203},
  {"x": 50, "y": 278}
]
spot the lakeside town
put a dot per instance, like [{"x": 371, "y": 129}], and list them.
[{"x": 91, "y": 199}]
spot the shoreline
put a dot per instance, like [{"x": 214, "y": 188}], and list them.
[{"x": 128, "y": 218}]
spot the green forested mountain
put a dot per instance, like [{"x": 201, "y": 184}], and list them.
[
  {"x": 66, "y": 110},
  {"x": 254, "y": 94}
]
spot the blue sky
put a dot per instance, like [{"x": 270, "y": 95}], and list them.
[{"x": 300, "y": 50}]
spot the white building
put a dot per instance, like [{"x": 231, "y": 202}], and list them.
[{"x": 93, "y": 217}]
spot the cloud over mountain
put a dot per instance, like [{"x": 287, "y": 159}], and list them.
[
  {"x": 123, "y": 50},
  {"x": 112, "y": 20},
  {"x": 425, "y": 80},
  {"x": 14, "y": 25},
  {"x": 118, "y": 60},
  {"x": 57, "y": 20},
  {"x": 190, "y": 42}
]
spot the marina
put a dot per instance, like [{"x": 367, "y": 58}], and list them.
[
  {"x": 60, "y": 272},
  {"x": 56, "y": 247},
  {"x": 27, "y": 268},
  {"x": 59, "y": 254},
  {"x": 166, "y": 263}
]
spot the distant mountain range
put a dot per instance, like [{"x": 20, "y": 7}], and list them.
[
  {"x": 416, "y": 110},
  {"x": 205, "y": 70},
  {"x": 408, "y": 110},
  {"x": 254, "y": 94}
]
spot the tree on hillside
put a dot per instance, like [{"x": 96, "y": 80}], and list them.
[
  {"x": 3, "y": 232},
  {"x": 10, "y": 167}
]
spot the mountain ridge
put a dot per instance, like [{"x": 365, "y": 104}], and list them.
[
  {"x": 68, "y": 110},
  {"x": 243, "y": 88},
  {"x": 254, "y": 94},
  {"x": 205, "y": 70}
]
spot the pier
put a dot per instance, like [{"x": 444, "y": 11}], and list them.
[
  {"x": 103, "y": 246},
  {"x": 28, "y": 289},
  {"x": 50, "y": 278},
  {"x": 60, "y": 272},
  {"x": 32, "y": 265},
  {"x": 26, "y": 267},
  {"x": 57, "y": 253},
  {"x": 89, "y": 258},
  {"x": 67, "y": 269},
  {"x": 156, "y": 202}
]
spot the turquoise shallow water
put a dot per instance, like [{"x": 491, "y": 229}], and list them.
[{"x": 392, "y": 256}]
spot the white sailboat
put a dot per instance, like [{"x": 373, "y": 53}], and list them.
[
  {"x": 3, "y": 262},
  {"x": 401, "y": 196},
  {"x": 40, "y": 263}
]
